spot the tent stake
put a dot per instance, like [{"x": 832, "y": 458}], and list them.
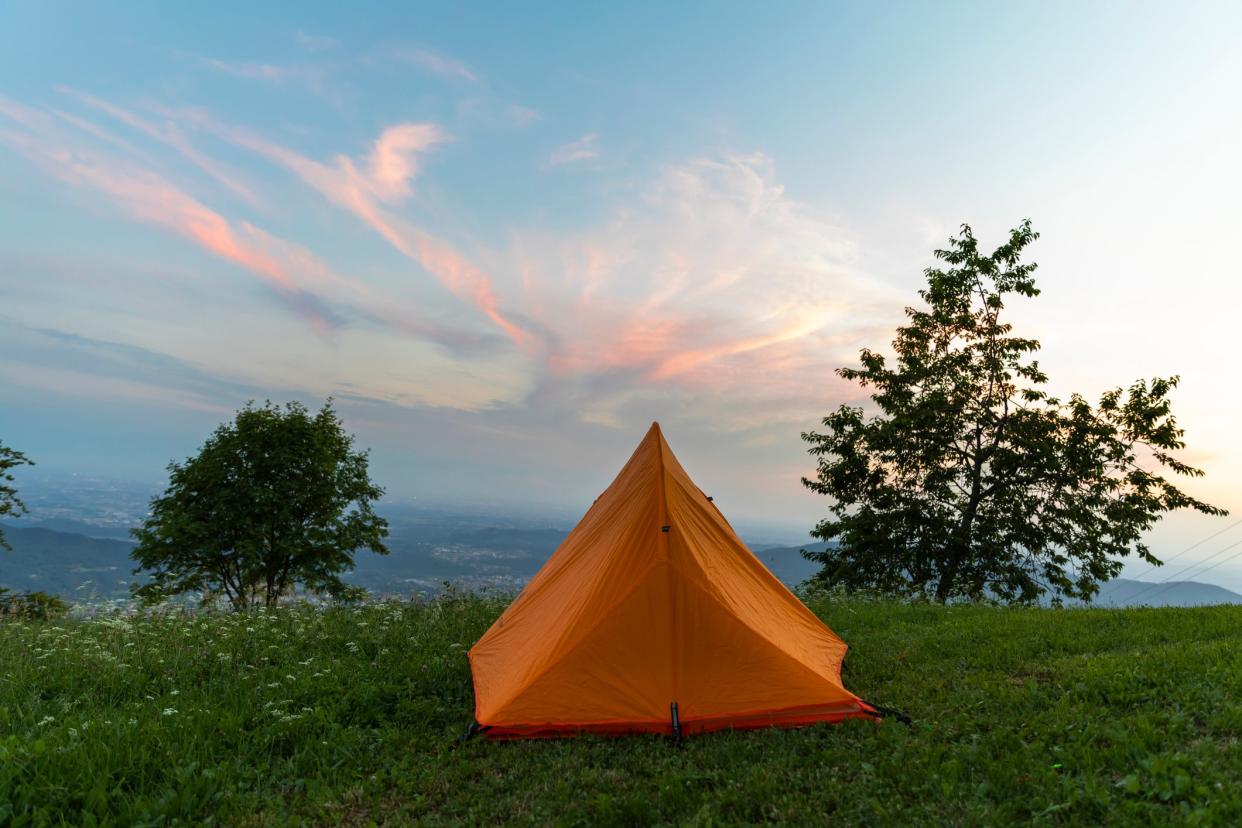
[
  {"x": 475, "y": 729},
  {"x": 887, "y": 712}
]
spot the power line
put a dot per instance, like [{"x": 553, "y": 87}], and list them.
[
  {"x": 1193, "y": 546},
  {"x": 1198, "y": 564},
  {"x": 1198, "y": 574},
  {"x": 1158, "y": 584}
]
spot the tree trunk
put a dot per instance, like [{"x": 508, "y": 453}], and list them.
[
  {"x": 962, "y": 538},
  {"x": 949, "y": 575}
]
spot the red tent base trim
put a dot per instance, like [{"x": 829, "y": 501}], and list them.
[{"x": 798, "y": 717}]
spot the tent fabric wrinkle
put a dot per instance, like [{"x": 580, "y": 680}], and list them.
[{"x": 653, "y": 600}]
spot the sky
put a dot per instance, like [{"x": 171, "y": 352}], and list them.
[{"x": 505, "y": 238}]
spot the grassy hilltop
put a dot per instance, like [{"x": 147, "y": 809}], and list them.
[{"x": 350, "y": 716}]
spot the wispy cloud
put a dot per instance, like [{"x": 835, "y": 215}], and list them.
[
  {"x": 363, "y": 187},
  {"x": 435, "y": 62},
  {"x": 316, "y": 43},
  {"x": 249, "y": 70},
  {"x": 95, "y": 130},
  {"x": 148, "y": 198},
  {"x": 711, "y": 283},
  {"x": 60, "y": 361},
  {"x": 493, "y": 112},
  {"x": 139, "y": 192},
  {"x": 311, "y": 76},
  {"x": 304, "y": 283},
  {"x": 167, "y": 133},
  {"x": 585, "y": 148}
]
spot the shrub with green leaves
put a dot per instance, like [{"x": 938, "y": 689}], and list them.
[
  {"x": 274, "y": 500},
  {"x": 35, "y": 605}
]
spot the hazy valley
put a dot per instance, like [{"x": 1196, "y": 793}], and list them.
[{"x": 89, "y": 563}]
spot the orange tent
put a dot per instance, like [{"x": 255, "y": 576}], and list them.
[{"x": 653, "y": 601}]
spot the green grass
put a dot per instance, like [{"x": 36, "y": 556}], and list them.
[{"x": 351, "y": 715}]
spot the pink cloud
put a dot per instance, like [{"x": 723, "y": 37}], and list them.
[
  {"x": 152, "y": 200},
  {"x": 715, "y": 279},
  {"x": 711, "y": 282},
  {"x": 306, "y": 284},
  {"x": 685, "y": 360},
  {"x": 385, "y": 176},
  {"x": 167, "y": 133},
  {"x": 356, "y": 294},
  {"x": 707, "y": 286},
  {"x": 393, "y": 159},
  {"x": 138, "y": 191},
  {"x": 464, "y": 279}
]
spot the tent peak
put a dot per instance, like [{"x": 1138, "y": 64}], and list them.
[
  {"x": 656, "y": 443},
  {"x": 655, "y": 435}
]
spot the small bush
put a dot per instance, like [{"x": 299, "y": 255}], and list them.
[{"x": 37, "y": 606}]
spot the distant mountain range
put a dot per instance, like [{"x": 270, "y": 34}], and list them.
[
  {"x": 73, "y": 527},
  {"x": 74, "y": 566},
  {"x": 84, "y": 568},
  {"x": 1123, "y": 592},
  {"x": 428, "y": 549},
  {"x": 787, "y": 563}
]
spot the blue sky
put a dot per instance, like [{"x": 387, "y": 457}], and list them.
[{"x": 508, "y": 237}]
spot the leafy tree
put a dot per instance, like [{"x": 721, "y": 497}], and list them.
[
  {"x": 20, "y": 604},
  {"x": 38, "y": 606},
  {"x": 972, "y": 480},
  {"x": 274, "y": 499},
  {"x": 10, "y": 504}
]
